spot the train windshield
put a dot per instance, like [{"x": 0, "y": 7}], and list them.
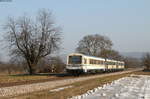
[{"x": 75, "y": 59}]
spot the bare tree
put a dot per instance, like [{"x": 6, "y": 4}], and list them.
[
  {"x": 111, "y": 54},
  {"x": 131, "y": 62},
  {"x": 146, "y": 61},
  {"x": 33, "y": 40},
  {"x": 93, "y": 44}
]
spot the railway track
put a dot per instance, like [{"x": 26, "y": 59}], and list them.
[
  {"x": 27, "y": 88},
  {"x": 53, "y": 77}
]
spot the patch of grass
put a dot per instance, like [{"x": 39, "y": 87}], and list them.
[
  {"x": 142, "y": 73},
  {"x": 9, "y": 79},
  {"x": 16, "y": 78}
]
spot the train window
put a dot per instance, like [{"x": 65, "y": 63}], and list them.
[
  {"x": 110, "y": 63},
  {"x": 99, "y": 62},
  {"x": 94, "y": 62},
  {"x": 107, "y": 63},
  {"x": 122, "y": 64},
  {"x": 91, "y": 61},
  {"x": 75, "y": 59},
  {"x": 102, "y": 62},
  {"x": 85, "y": 61},
  {"x": 114, "y": 63}
]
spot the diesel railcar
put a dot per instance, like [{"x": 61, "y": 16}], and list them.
[{"x": 79, "y": 63}]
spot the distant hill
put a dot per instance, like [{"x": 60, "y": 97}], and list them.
[{"x": 133, "y": 54}]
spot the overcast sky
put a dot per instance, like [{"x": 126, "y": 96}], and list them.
[{"x": 125, "y": 22}]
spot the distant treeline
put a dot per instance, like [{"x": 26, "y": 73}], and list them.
[{"x": 47, "y": 65}]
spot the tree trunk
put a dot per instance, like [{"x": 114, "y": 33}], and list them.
[{"x": 32, "y": 68}]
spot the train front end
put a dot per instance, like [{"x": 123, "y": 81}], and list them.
[{"x": 74, "y": 64}]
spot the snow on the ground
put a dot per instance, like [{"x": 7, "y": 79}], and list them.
[{"x": 133, "y": 87}]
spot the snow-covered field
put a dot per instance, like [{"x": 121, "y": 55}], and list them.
[{"x": 133, "y": 87}]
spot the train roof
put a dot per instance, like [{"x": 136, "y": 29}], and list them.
[
  {"x": 95, "y": 57},
  {"x": 85, "y": 55}
]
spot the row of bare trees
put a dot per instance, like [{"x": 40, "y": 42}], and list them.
[{"x": 45, "y": 65}]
